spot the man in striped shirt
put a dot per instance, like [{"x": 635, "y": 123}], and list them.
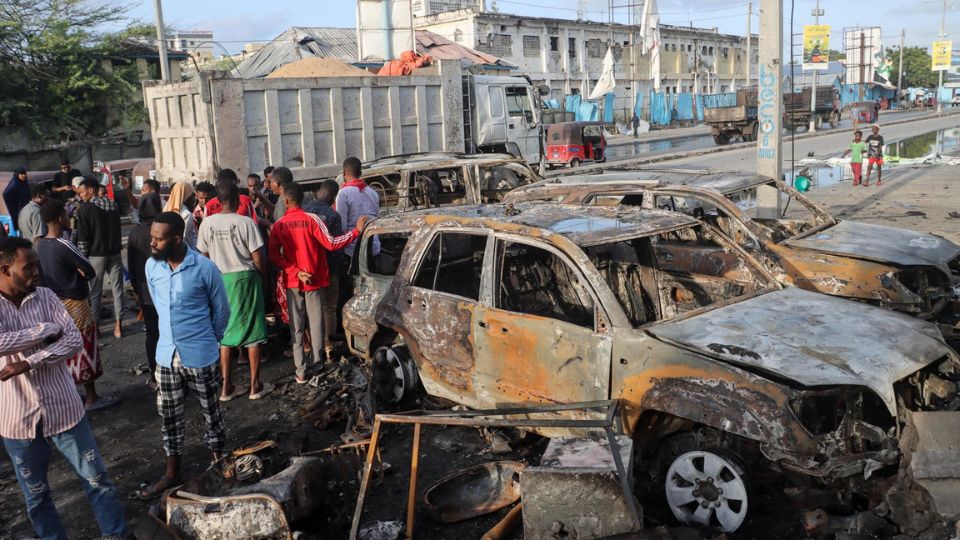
[{"x": 39, "y": 405}]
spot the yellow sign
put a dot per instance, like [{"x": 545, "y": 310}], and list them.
[
  {"x": 940, "y": 53},
  {"x": 816, "y": 43}
]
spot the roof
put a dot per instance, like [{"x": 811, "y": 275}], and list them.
[
  {"x": 583, "y": 225},
  {"x": 301, "y": 42},
  {"x": 135, "y": 49}
]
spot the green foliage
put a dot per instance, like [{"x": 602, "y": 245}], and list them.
[
  {"x": 56, "y": 70},
  {"x": 916, "y": 67},
  {"x": 837, "y": 55}
]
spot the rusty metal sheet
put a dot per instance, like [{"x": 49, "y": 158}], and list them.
[
  {"x": 935, "y": 463},
  {"x": 882, "y": 244},
  {"x": 813, "y": 339}
]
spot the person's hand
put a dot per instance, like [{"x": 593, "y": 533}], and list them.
[
  {"x": 53, "y": 339},
  {"x": 362, "y": 222},
  {"x": 13, "y": 369},
  {"x": 304, "y": 276}
]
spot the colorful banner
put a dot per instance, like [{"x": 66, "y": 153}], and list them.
[
  {"x": 940, "y": 53},
  {"x": 816, "y": 43}
]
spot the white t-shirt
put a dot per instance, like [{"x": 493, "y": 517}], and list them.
[{"x": 230, "y": 240}]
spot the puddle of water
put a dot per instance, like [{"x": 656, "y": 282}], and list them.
[
  {"x": 944, "y": 141},
  {"x": 659, "y": 147},
  {"x": 821, "y": 177}
]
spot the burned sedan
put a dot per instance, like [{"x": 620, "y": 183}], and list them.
[
  {"x": 899, "y": 269},
  {"x": 718, "y": 366}
]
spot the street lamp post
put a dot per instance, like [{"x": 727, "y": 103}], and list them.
[{"x": 817, "y": 13}]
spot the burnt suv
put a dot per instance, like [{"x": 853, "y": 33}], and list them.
[
  {"x": 717, "y": 365},
  {"x": 908, "y": 271}
]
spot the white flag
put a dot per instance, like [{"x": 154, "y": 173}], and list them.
[
  {"x": 606, "y": 83},
  {"x": 650, "y": 32}
]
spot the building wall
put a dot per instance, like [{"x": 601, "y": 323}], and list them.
[{"x": 567, "y": 55}]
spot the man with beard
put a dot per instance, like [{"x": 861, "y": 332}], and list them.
[
  {"x": 39, "y": 405},
  {"x": 193, "y": 312}
]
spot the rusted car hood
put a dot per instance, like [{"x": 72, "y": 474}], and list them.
[
  {"x": 813, "y": 339},
  {"x": 882, "y": 244}
]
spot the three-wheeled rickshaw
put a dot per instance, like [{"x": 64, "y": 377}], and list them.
[{"x": 573, "y": 143}]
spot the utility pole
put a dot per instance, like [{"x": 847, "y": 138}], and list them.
[
  {"x": 162, "y": 42},
  {"x": 770, "y": 106},
  {"x": 817, "y": 12},
  {"x": 749, "y": 36},
  {"x": 863, "y": 67},
  {"x": 943, "y": 35},
  {"x": 903, "y": 33}
]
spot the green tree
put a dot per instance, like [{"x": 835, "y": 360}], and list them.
[
  {"x": 916, "y": 67},
  {"x": 837, "y": 55},
  {"x": 53, "y": 77}
]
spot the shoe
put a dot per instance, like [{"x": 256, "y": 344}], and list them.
[
  {"x": 237, "y": 392},
  {"x": 105, "y": 402},
  {"x": 301, "y": 381},
  {"x": 266, "y": 389}
]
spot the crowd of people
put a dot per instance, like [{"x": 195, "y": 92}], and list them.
[{"x": 215, "y": 270}]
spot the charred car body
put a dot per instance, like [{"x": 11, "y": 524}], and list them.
[
  {"x": 899, "y": 269},
  {"x": 716, "y": 363}
]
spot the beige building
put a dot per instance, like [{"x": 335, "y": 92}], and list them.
[{"x": 567, "y": 55}]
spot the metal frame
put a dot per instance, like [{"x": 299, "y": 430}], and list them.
[{"x": 493, "y": 418}]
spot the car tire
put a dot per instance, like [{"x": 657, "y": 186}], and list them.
[
  {"x": 395, "y": 376},
  {"x": 574, "y": 163}
]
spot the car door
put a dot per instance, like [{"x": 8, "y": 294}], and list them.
[
  {"x": 537, "y": 339},
  {"x": 437, "y": 309}
]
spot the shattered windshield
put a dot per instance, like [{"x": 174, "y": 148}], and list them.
[{"x": 799, "y": 216}]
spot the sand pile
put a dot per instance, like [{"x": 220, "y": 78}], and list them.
[{"x": 318, "y": 67}]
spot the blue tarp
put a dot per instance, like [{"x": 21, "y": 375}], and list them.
[
  {"x": 608, "y": 108},
  {"x": 638, "y": 106},
  {"x": 589, "y": 112},
  {"x": 552, "y": 104},
  {"x": 660, "y": 109},
  {"x": 699, "y": 107},
  {"x": 717, "y": 101},
  {"x": 685, "y": 106},
  {"x": 572, "y": 104}
]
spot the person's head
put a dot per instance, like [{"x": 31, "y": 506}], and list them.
[
  {"x": 150, "y": 186},
  {"x": 166, "y": 235},
  {"x": 229, "y": 196},
  {"x": 293, "y": 194},
  {"x": 857, "y": 135},
  {"x": 65, "y": 165},
  {"x": 150, "y": 206},
  {"x": 19, "y": 270},
  {"x": 181, "y": 196},
  {"x": 101, "y": 191},
  {"x": 327, "y": 191},
  {"x": 874, "y": 129},
  {"x": 205, "y": 191},
  {"x": 88, "y": 189},
  {"x": 227, "y": 175},
  {"x": 124, "y": 182},
  {"x": 20, "y": 174},
  {"x": 54, "y": 214},
  {"x": 253, "y": 182},
  {"x": 38, "y": 193},
  {"x": 352, "y": 168},
  {"x": 281, "y": 176},
  {"x": 268, "y": 173}
]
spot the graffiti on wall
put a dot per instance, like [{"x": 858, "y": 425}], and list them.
[{"x": 767, "y": 112}]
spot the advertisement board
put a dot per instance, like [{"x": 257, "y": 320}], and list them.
[
  {"x": 816, "y": 44},
  {"x": 940, "y": 54}
]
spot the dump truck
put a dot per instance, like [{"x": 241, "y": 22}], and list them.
[
  {"x": 734, "y": 114},
  {"x": 311, "y": 125}
]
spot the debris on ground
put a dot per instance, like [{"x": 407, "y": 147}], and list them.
[
  {"x": 474, "y": 492},
  {"x": 343, "y": 397},
  {"x": 381, "y": 530}
]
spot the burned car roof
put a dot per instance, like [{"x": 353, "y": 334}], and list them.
[
  {"x": 437, "y": 159},
  {"x": 583, "y": 225}
]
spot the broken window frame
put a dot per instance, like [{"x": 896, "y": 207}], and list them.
[
  {"x": 365, "y": 264},
  {"x": 437, "y": 236}
]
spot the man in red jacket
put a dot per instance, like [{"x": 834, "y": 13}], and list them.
[{"x": 299, "y": 242}]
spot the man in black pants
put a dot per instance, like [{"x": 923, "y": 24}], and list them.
[{"x": 138, "y": 251}]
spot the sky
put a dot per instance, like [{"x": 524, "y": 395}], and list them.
[{"x": 235, "y": 22}]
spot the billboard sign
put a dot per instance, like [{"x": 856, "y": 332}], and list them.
[
  {"x": 940, "y": 54},
  {"x": 384, "y": 28},
  {"x": 816, "y": 43},
  {"x": 864, "y": 53}
]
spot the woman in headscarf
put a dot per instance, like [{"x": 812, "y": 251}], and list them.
[
  {"x": 17, "y": 195},
  {"x": 181, "y": 201}
]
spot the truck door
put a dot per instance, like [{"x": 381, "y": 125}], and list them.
[{"x": 522, "y": 125}]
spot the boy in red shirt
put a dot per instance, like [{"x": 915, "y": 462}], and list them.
[
  {"x": 299, "y": 242},
  {"x": 213, "y": 206}
]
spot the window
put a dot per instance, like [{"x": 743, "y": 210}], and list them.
[
  {"x": 458, "y": 35},
  {"x": 554, "y": 43},
  {"x": 531, "y": 46},
  {"x": 518, "y": 103},
  {"x": 710, "y": 53},
  {"x": 537, "y": 282},
  {"x": 572, "y": 47},
  {"x": 496, "y": 180},
  {"x": 628, "y": 269},
  {"x": 689, "y": 47},
  {"x": 391, "y": 249},
  {"x": 596, "y": 48},
  {"x": 496, "y": 102},
  {"x": 703, "y": 50},
  {"x": 453, "y": 264}
]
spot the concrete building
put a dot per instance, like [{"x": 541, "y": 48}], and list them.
[
  {"x": 567, "y": 55},
  {"x": 422, "y": 8},
  {"x": 199, "y": 43}
]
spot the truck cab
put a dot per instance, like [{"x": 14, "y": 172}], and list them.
[{"x": 502, "y": 115}]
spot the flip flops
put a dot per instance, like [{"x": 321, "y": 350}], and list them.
[
  {"x": 266, "y": 389},
  {"x": 157, "y": 489},
  {"x": 104, "y": 402},
  {"x": 237, "y": 392}
]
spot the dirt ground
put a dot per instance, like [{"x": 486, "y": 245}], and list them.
[{"x": 920, "y": 198}]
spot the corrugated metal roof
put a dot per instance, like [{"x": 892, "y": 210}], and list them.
[{"x": 301, "y": 42}]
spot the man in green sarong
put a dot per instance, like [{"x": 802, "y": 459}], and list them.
[{"x": 233, "y": 243}]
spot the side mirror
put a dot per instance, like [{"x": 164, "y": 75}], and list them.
[{"x": 543, "y": 89}]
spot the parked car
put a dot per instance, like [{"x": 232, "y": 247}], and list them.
[
  {"x": 441, "y": 178},
  {"x": 574, "y": 143},
  {"x": 955, "y": 102},
  {"x": 724, "y": 374},
  {"x": 899, "y": 269}
]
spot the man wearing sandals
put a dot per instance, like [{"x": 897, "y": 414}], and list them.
[
  {"x": 233, "y": 243},
  {"x": 39, "y": 405},
  {"x": 193, "y": 311}
]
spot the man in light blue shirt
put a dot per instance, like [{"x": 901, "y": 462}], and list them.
[
  {"x": 357, "y": 199},
  {"x": 193, "y": 311}
]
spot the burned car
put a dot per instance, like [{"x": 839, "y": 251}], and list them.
[
  {"x": 899, "y": 269},
  {"x": 718, "y": 366},
  {"x": 431, "y": 179}
]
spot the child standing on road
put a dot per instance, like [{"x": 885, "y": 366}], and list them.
[
  {"x": 874, "y": 154},
  {"x": 856, "y": 156}
]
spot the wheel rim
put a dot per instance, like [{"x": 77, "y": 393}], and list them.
[
  {"x": 399, "y": 388},
  {"x": 706, "y": 489}
]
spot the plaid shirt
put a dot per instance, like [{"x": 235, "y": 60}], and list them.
[{"x": 105, "y": 204}]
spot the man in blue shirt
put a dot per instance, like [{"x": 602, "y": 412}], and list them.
[{"x": 193, "y": 311}]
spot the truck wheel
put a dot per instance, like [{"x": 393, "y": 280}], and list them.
[
  {"x": 818, "y": 122},
  {"x": 395, "y": 375},
  {"x": 574, "y": 163},
  {"x": 754, "y": 131},
  {"x": 834, "y": 119},
  {"x": 709, "y": 489},
  {"x": 721, "y": 139}
]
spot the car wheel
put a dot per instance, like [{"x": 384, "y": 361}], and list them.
[
  {"x": 707, "y": 489},
  {"x": 395, "y": 376},
  {"x": 574, "y": 163},
  {"x": 721, "y": 139}
]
